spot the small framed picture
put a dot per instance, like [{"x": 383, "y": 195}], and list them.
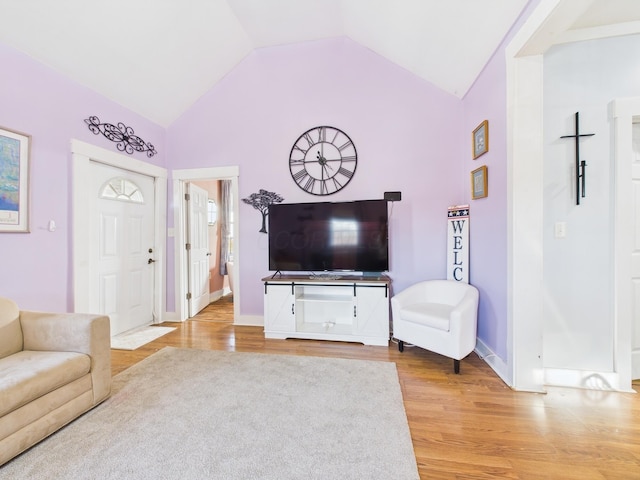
[
  {"x": 14, "y": 181},
  {"x": 481, "y": 139},
  {"x": 479, "y": 183}
]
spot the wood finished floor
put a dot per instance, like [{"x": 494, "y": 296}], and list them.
[{"x": 467, "y": 426}]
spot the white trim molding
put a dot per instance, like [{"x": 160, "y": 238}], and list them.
[
  {"x": 82, "y": 154},
  {"x": 180, "y": 178}
]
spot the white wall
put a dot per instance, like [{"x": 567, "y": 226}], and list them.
[
  {"x": 584, "y": 77},
  {"x": 636, "y": 139}
]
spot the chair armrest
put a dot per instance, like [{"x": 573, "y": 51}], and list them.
[
  {"x": 469, "y": 302},
  {"x": 73, "y": 332},
  {"x": 467, "y": 309},
  {"x": 412, "y": 294}
]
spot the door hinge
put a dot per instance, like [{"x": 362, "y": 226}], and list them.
[
  {"x": 189, "y": 296},
  {"x": 188, "y": 246},
  {"x": 187, "y": 197}
]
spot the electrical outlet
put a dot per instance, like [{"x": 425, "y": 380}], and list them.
[{"x": 561, "y": 229}]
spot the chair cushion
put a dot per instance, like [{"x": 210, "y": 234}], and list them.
[
  {"x": 10, "y": 329},
  {"x": 435, "y": 315},
  {"x": 27, "y": 375}
]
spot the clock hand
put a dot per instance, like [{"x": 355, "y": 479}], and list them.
[{"x": 326, "y": 162}]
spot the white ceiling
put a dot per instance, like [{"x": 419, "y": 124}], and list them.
[{"x": 157, "y": 57}]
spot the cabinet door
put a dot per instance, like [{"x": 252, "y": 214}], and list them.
[
  {"x": 278, "y": 308},
  {"x": 372, "y": 311}
]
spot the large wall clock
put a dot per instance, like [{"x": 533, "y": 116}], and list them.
[{"x": 323, "y": 160}]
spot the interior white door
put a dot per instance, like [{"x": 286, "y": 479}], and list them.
[
  {"x": 198, "y": 253},
  {"x": 122, "y": 250},
  {"x": 635, "y": 254}
]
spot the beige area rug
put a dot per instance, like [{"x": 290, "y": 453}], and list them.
[
  {"x": 201, "y": 414},
  {"x": 132, "y": 339}
]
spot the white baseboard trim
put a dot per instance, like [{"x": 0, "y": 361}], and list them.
[
  {"x": 494, "y": 361},
  {"x": 245, "y": 320},
  {"x": 215, "y": 296},
  {"x": 556, "y": 377},
  {"x": 171, "y": 317},
  {"x": 584, "y": 379},
  {"x": 250, "y": 320}
]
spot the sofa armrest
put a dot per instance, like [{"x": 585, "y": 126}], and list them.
[{"x": 73, "y": 332}]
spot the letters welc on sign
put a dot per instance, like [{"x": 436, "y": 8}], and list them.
[{"x": 458, "y": 243}]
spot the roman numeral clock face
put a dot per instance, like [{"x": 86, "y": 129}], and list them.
[{"x": 323, "y": 160}]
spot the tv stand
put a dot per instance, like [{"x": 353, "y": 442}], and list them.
[{"x": 352, "y": 308}]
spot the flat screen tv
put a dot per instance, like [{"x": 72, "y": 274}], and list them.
[{"x": 329, "y": 236}]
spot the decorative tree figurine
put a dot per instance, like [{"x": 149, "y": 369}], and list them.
[{"x": 261, "y": 201}]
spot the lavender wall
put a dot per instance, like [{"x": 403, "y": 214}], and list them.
[
  {"x": 410, "y": 137},
  {"x": 488, "y": 227},
  {"x": 407, "y": 132},
  {"x": 36, "y": 266},
  {"x": 487, "y": 100}
]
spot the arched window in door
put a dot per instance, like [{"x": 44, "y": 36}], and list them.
[{"x": 122, "y": 189}]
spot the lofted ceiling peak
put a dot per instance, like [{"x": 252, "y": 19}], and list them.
[{"x": 157, "y": 58}]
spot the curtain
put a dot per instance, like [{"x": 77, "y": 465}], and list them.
[{"x": 225, "y": 227}]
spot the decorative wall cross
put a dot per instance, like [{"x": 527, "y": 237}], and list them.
[{"x": 580, "y": 164}]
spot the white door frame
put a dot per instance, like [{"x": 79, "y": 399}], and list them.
[
  {"x": 82, "y": 155},
  {"x": 549, "y": 24},
  {"x": 621, "y": 113},
  {"x": 180, "y": 178}
]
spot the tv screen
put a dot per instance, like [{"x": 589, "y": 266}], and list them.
[{"x": 329, "y": 236}]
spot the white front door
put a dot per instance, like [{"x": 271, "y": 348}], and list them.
[
  {"x": 198, "y": 239},
  {"x": 121, "y": 246}
]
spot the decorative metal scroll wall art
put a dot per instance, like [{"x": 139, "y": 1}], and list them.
[
  {"x": 122, "y": 135},
  {"x": 580, "y": 164}
]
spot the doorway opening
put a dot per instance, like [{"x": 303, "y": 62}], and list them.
[{"x": 206, "y": 273}]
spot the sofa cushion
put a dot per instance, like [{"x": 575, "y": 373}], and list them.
[
  {"x": 27, "y": 375},
  {"x": 10, "y": 329},
  {"x": 435, "y": 315}
]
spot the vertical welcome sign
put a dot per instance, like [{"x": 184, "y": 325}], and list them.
[{"x": 458, "y": 243}]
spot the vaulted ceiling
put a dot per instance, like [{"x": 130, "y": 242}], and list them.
[{"x": 157, "y": 57}]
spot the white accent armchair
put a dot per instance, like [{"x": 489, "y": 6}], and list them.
[{"x": 437, "y": 315}]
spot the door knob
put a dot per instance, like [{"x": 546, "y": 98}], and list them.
[{"x": 150, "y": 261}]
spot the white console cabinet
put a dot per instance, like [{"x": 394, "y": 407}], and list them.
[{"x": 350, "y": 308}]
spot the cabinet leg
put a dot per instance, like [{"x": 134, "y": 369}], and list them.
[
  {"x": 401, "y": 345},
  {"x": 456, "y": 366}
]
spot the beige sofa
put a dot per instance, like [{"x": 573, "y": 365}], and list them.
[{"x": 53, "y": 367}]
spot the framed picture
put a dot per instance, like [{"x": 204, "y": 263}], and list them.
[
  {"x": 479, "y": 183},
  {"x": 14, "y": 181},
  {"x": 481, "y": 139}
]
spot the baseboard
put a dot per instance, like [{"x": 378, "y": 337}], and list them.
[
  {"x": 245, "y": 320},
  {"x": 585, "y": 379},
  {"x": 215, "y": 296},
  {"x": 494, "y": 361},
  {"x": 171, "y": 317},
  {"x": 556, "y": 377},
  {"x": 250, "y": 320}
]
